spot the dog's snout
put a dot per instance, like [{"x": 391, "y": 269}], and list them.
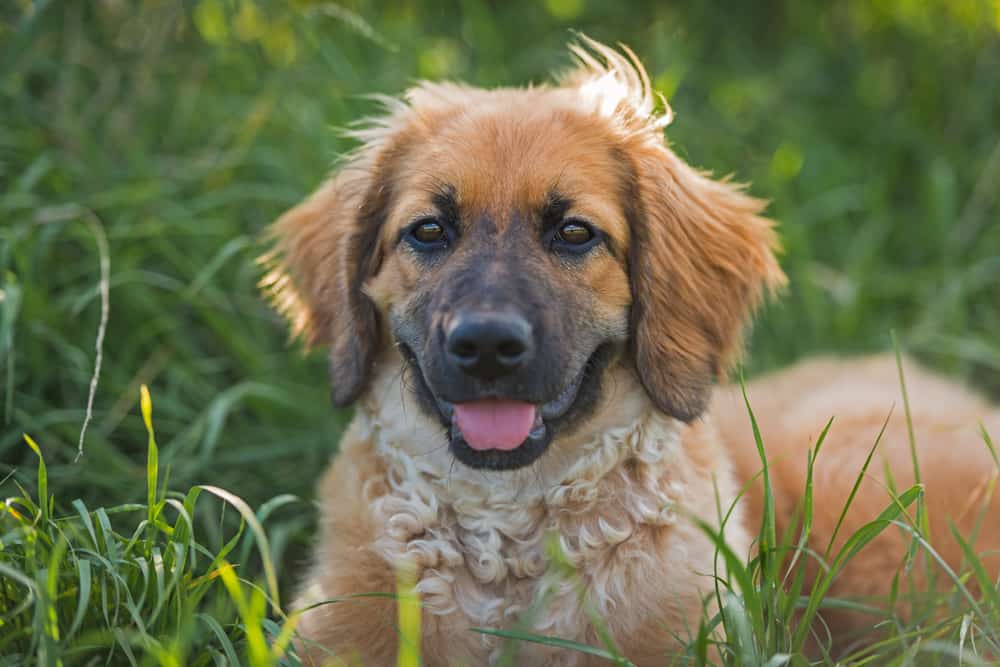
[{"x": 490, "y": 345}]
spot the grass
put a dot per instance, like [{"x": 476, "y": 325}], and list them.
[
  {"x": 138, "y": 584},
  {"x": 92, "y": 584},
  {"x": 144, "y": 146}
]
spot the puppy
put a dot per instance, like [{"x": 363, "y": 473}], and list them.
[{"x": 528, "y": 298}]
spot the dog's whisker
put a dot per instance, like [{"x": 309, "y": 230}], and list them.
[
  {"x": 538, "y": 481},
  {"x": 451, "y": 468},
  {"x": 520, "y": 490},
  {"x": 403, "y": 388},
  {"x": 544, "y": 485},
  {"x": 434, "y": 449}
]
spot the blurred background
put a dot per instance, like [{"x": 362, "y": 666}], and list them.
[{"x": 177, "y": 131}]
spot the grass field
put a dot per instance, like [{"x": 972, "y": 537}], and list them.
[{"x": 145, "y": 145}]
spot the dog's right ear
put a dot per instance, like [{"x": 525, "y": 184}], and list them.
[{"x": 324, "y": 250}]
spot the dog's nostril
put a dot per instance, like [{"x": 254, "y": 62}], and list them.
[
  {"x": 510, "y": 350},
  {"x": 465, "y": 349}
]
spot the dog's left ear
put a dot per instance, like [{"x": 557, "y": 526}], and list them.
[{"x": 701, "y": 258}]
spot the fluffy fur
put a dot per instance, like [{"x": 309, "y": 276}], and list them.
[
  {"x": 479, "y": 539},
  {"x": 687, "y": 260}
]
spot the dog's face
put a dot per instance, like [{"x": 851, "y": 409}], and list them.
[
  {"x": 514, "y": 244},
  {"x": 503, "y": 277}
]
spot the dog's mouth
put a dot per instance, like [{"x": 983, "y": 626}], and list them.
[{"x": 504, "y": 433}]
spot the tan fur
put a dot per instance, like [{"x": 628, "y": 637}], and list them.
[
  {"x": 614, "y": 496},
  {"x": 792, "y": 407},
  {"x": 689, "y": 259}
]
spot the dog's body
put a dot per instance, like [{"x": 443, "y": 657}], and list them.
[
  {"x": 863, "y": 396},
  {"x": 479, "y": 538},
  {"x": 393, "y": 496},
  {"x": 529, "y": 295}
]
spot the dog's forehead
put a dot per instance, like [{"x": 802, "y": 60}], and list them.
[{"x": 512, "y": 159}]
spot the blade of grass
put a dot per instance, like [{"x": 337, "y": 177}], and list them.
[
  {"x": 911, "y": 436},
  {"x": 989, "y": 444},
  {"x": 987, "y": 586},
  {"x": 263, "y": 546},
  {"x": 251, "y": 612},
  {"x": 82, "y": 596},
  {"x": 923, "y": 521},
  {"x": 152, "y": 466},
  {"x": 768, "y": 528},
  {"x": 220, "y": 634},
  {"x": 854, "y": 544},
  {"x": 16, "y": 575},
  {"x": 408, "y": 616},
  {"x": 9, "y": 307},
  {"x": 43, "y": 480},
  {"x": 738, "y": 571},
  {"x": 807, "y": 509},
  {"x": 857, "y": 484},
  {"x": 767, "y": 540},
  {"x": 283, "y": 639},
  {"x": 555, "y": 642}
]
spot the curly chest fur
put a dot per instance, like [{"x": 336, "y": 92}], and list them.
[{"x": 607, "y": 544}]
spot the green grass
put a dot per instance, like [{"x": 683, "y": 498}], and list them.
[
  {"x": 138, "y": 584},
  {"x": 151, "y": 142}
]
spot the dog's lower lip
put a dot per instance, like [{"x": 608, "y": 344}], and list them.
[
  {"x": 558, "y": 407},
  {"x": 447, "y": 409}
]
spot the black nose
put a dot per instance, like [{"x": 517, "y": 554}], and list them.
[{"x": 488, "y": 345}]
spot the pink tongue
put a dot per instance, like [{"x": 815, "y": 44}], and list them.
[{"x": 494, "y": 424}]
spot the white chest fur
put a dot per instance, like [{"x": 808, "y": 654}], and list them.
[
  {"x": 596, "y": 529},
  {"x": 538, "y": 553}
]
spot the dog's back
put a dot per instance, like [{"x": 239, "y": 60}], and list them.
[{"x": 956, "y": 466}]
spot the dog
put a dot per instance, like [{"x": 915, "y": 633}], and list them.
[{"x": 531, "y": 299}]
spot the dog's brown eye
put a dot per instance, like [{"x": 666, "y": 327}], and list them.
[
  {"x": 428, "y": 235},
  {"x": 574, "y": 233},
  {"x": 428, "y": 232}
]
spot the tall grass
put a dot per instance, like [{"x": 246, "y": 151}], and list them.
[
  {"x": 139, "y": 584},
  {"x": 145, "y": 145},
  {"x": 135, "y": 584}
]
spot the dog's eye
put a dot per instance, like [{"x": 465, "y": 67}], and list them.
[
  {"x": 575, "y": 236},
  {"x": 574, "y": 233},
  {"x": 428, "y": 234}
]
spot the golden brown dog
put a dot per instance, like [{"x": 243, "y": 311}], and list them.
[{"x": 528, "y": 296}]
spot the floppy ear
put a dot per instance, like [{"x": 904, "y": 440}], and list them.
[
  {"x": 324, "y": 250},
  {"x": 701, "y": 258}
]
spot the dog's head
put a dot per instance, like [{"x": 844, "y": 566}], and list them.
[{"x": 516, "y": 243}]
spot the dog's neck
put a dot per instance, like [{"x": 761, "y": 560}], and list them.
[
  {"x": 624, "y": 426},
  {"x": 480, "y": 537}
]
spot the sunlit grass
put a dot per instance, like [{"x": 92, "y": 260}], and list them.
[
  {"x": 133, "y": 584},
  {"x": 176, "y": 131}
]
